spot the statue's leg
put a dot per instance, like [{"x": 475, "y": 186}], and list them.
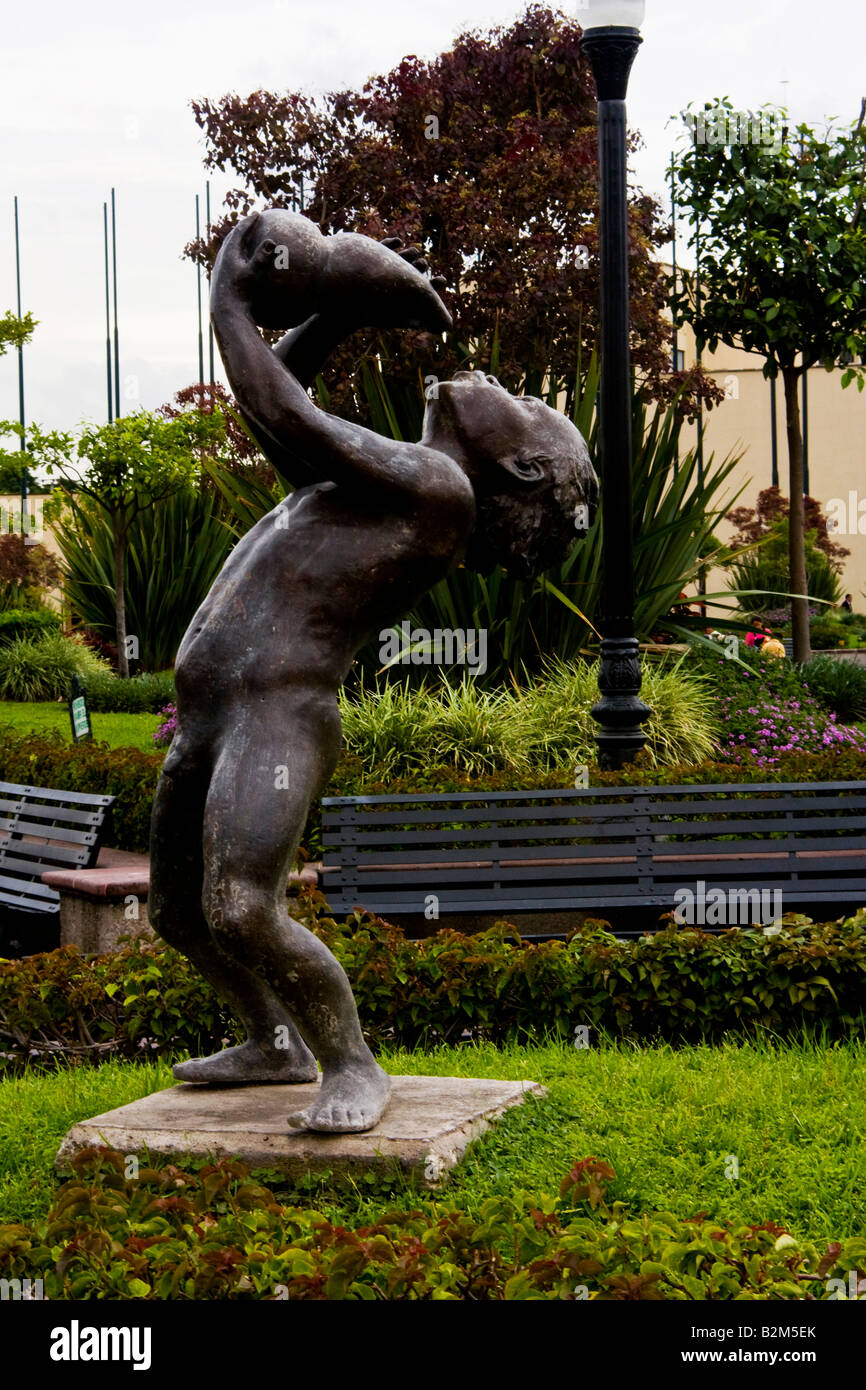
[
  {"x": 279, "y": 752},
  {"x": 175, "y": 911}
]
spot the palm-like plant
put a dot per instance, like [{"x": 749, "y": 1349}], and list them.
[{"x": 175, "y": 552}]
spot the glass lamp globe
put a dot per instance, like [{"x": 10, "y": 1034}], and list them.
[{"x": 620, "y": 14}]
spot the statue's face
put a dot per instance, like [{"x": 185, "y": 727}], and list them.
[{"x": 535, "y": 487}]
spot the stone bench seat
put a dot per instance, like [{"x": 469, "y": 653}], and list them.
[{"x": 101, "y": 906}]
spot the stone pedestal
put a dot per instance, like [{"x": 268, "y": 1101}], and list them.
[{"x": 426, "y": 1129}]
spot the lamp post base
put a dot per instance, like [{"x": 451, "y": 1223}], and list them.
[{"x": 620, "y": 712}]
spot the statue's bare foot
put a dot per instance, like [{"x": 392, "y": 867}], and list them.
[
  {"x": 353, "y": 1098},
  {"x": 251, "y": 1065}
]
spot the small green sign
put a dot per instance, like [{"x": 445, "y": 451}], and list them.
[
  {"x": 79, "y": 714},
  {"x": 80, "y": 721}
]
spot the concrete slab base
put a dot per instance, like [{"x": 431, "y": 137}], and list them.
[{"x": 429, "y": 1123}]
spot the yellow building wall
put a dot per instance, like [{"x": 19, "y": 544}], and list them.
[{"x": 742, "y": 424}]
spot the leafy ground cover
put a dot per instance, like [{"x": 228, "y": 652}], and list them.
[
  {"x": 678, "y": 985},
  {"x": 757, "y": 1146}
]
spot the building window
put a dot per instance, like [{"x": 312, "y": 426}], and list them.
[{"x": 679, "y": 360}]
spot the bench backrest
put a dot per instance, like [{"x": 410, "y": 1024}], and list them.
[
  {"x": 596, "y": 846},
  {"x": 40, "y": 829}
]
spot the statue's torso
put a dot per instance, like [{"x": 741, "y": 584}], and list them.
[{"x": 307, "y": 587}]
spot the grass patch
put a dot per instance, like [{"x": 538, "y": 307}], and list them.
[
  {"x": 35, "y": 1113},
  {"x": 117, "y": 730},
  {"x": 667, "y": 1120}
]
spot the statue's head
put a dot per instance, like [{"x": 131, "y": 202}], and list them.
[
  {"x": 536, "y": 490},
  {"x": 285, "y": 253}
]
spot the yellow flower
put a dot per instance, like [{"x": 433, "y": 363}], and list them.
[{"x": 773, "y": 647}]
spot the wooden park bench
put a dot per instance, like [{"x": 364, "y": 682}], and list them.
[
  {"x": 424, "y": 858},
  {"x": 60, "y": 885},
  {"x": 43, "y": 829}
]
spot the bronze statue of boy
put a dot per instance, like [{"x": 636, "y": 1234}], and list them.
[{"x": 371, "y": 526}]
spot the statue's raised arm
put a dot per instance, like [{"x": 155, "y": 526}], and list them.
[{"x": 276, "y": 270}]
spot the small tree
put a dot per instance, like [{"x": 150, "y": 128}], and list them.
[
  {"x": 487, "y": 157},
  {"x": 780, "y": 217},
  {"x": 15, "y": 332},
  {"x": 126, "y": 466},
  {"x": 237, "y": 450}
]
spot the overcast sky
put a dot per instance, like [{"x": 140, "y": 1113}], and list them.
[{"x": 97, "y": 93}]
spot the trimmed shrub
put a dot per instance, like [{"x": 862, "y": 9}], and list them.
[
  {"x": 172, "y": 1233},
  {"x": 49, "y": 760},
  {"x": 839, "y": 686},
  {"x": 678, "y": 985},
  {"x": 143, "y": 694},
  {"x": 27, "y": 622},
  {"x": 41, "y": 668}
]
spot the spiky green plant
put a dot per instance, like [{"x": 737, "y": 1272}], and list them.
[
  {"x": 546, "y": 726},
  {"x": 175, "y": 551},
  {"x": 682, "y": 729}
]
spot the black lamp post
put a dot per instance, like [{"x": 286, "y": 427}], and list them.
[{"x": 610, "y": 41}]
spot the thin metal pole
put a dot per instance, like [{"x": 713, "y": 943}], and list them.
[
  {"x": 198, "y": 284},
  {"x": 774, "y": 429},
  {"x": 21, "y": 418},
  {"x": 698, "y": 301},
  {"x": 675, "y": 360},
  {"x": 107, "y": 316},
  {"x": 676, "y": 348},
  {"x": 116, "y": 338},
  {"x": 209, "y": 324},
  {"x": 702, "y": 577}
]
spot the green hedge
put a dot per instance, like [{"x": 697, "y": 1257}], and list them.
[
  {"x": 144, "y": 694},
  {"x": 27, "y": 622},
  {"x": 50, "y": 760},
  {"x": 679, "y": 985},
  {"x": 216, "y": 1233}
]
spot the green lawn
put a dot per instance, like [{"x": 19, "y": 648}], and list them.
[
  {"x": 118, "y": 730},
  {"x": 668, "y": 1121}
]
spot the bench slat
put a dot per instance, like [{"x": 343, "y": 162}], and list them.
[
  {"x": 17, "y": 856},
  {"x": 480, "y": 846},
  {"x": 608, "y": 794},
  {"x": 33, "y": 888},
  {"x": 68, "y": 815},
  {"x": 46, "y": 832},
  {"x": 53, "y": 794},
  {"x": 764, "y": 810}
]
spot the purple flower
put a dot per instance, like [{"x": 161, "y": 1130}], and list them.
[{"x": 167, "y": 730}]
